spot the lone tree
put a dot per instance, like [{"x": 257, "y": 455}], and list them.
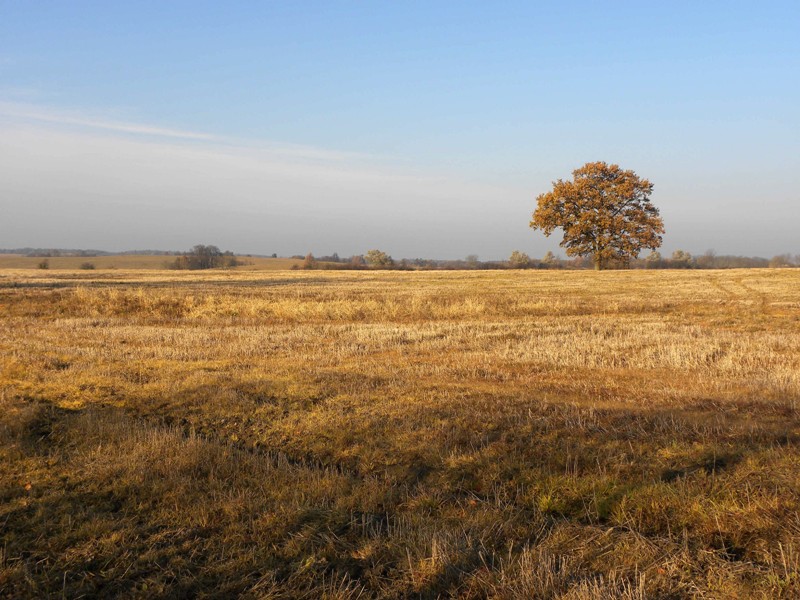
[
  {"x": 309, "y": 262},
  {"x": 378, "y": 259},
  {"x": 605, "y": 212},
  {"x": 519, "y": 260}
]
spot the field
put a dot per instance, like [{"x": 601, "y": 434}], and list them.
[
  {"x": 285, "y": 434},
  {"x": 132, "y": 261}
]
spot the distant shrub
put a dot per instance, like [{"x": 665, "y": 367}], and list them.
[
  {"x": 681, "y": 260},
  {"x": 379, "y": 259},
  {"x": 87, "y": 266},
  {"x": 519, "y": 260},
  {"x": 549, "y": 260},
  {"x": 309, "y": 262},
  {"x": 654, "y": 260},
  {"x": 205, "y": 257},
  {"x": 230, "y": 261},
  {"x": 782, "y": 261}
]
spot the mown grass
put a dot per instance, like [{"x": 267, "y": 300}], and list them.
[{"x": 400, "y": 435}]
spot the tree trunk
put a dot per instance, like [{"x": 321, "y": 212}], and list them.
[{"x": 598, "y": 260}]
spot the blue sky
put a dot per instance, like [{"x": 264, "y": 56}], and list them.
[{"x": 425, "y": 129}]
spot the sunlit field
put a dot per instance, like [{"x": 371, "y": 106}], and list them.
[{"x": 290, "y": 434}]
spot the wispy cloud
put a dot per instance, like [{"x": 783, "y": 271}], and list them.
[
  {"x": 72, "y": 179},
  {"x": 30, "y": 113},
  {"x": 47, "y": 115}
]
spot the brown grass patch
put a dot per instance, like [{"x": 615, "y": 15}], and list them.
[{"x": 360, "y": 434}]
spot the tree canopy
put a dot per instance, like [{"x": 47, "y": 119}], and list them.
[
  {"x": 519, "y": 260},
  {"x": 205, "y": 257},
  {"x": 605, "y": 212},
  {"x": 379, "y": 259}
]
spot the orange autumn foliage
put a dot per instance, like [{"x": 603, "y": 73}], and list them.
[{"x": 605, "y": 212}]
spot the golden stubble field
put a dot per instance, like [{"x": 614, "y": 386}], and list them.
[{"x": 518, "y": 434}]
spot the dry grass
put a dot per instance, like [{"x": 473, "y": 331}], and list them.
[{"x": 400, "y": 435}]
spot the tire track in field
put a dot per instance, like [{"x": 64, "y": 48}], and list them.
[
  {"x": 748, "y": 293},
  {"x": 764, "y": 304}
]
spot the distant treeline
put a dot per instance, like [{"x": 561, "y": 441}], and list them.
[
  {"x": 56, "y": 252},
  {"x": 52, "y": 252},
  {"x": 211, "y": 257},
  {"x": 680, "y": 259}
]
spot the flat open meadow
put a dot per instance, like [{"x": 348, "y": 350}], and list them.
[{"x": 509, "y": 434}]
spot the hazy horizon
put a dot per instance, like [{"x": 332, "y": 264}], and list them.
[{"x": 425, "y": 131}]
